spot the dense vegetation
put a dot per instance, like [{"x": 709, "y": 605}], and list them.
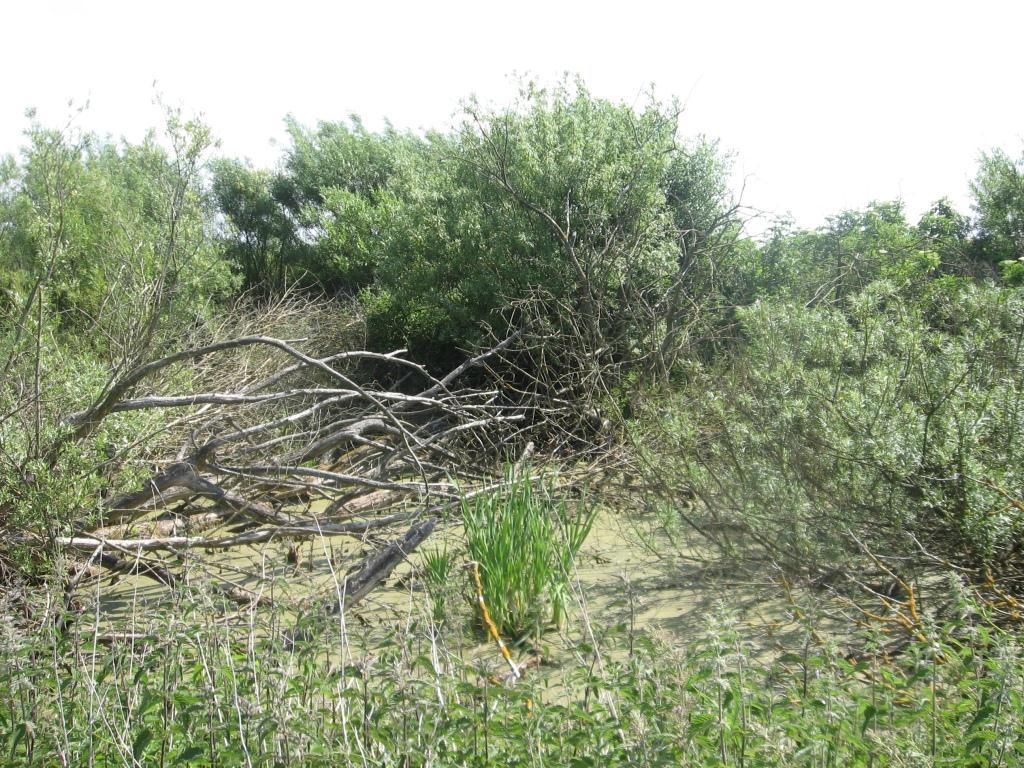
[{"x": 839, "y": 407}]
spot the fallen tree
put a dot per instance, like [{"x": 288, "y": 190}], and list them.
[{"x": 306, "y": 451}]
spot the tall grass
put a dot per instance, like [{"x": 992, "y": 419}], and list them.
[
  {"x": 184, "y": 690},
  {"x": 524, "y": 542}
]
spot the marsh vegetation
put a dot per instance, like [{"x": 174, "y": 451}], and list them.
[{"x": 504, "y": 445}]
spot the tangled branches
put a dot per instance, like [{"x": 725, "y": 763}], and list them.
[{"x": 304, "y": 450}]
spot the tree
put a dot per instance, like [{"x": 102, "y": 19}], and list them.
[
  {"x": 107, "y": 262},
  {"x": 595, "y": 210},
  {"x": 112, "y": 237},
  {"x": 312, "y": 222},
  {"x": 826, "y": 265},
  {"x": 258, "y": 238},
  {"x": 998, "y": 190}
]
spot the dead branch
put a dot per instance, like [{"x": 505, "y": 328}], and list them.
[{"x": 361, "y": 580}]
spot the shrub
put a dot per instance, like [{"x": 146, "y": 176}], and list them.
[{"x": 893, "y": 417}]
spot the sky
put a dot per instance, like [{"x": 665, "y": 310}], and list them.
[{"x": 826, "y": 105}]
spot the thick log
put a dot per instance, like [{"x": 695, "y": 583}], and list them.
[
  {"x": 368, "y": 502},
  {"x": 351, "y": 434},
  {"x": 162, "y": 575},
  {"x": 362, "y": 579}
]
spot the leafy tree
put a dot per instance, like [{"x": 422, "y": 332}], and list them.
[
  {"x": 111, "y": 237},
  {"x": 259, "y": 238},
  {"x": 336, "y": 155},
  {"x": 998, "y": 190},
  {"x": 106, "y": 261},
  {"x": 313, "y": 222},
  {"x": 336, "y": 187},
  {"x": 596, "y": 209},
  {"x": 949, "y": 234},
  {"x": 824, "y": 266}
]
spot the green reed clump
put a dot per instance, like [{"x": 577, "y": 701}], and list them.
[
  {"x": 524, "y": 541},
  {"x": 437, "y": 567}
]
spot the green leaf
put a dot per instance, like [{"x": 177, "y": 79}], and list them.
[
  {"x": 189, "y": 755},
  {"x": 141, "y": 742},
  {"x": 870, "y": 711}
]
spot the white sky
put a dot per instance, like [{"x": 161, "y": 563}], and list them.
[{"x": 827, "y": 104}]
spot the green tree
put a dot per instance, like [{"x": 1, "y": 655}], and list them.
[
  {"x": 314, "y": 221},
  {"x": 112, "y": 238},
  {"x": 853, "y": 249},
  {"x": 337, "y": 186},
  {"x": 596, "y": 209},
  {"x": 998, "y": 190},
  {"x": 107, "y": 261},
  {"x": 259, "y": 238}
]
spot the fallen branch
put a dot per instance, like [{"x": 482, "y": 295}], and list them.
[
  {"x": 361, "y": 580},
  {"x": 304, "y": 529},
  {"x": 366, "y": 576}
]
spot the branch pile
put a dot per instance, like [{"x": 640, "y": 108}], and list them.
[{"x": 306, "y": 451}]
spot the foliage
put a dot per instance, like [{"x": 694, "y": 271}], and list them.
[
  {"x": 853, "y": 249},
  {"x": 188, "y": 691},
  {"x": 438, "y": 572},
  {"x": 39, "y": 502},
  {"x": 869, "y": 403},
  {"x": 896, "y": 414},
  {"x": 260, "y": 240},
  {"x": 104, "y": 259},
  {"x": 315, "y": 221},
  {"x": 115, "y": 236},
  {"x": 598, "y": 205},
  {"x": 998, "y": 190}
]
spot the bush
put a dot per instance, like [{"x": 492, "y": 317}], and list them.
[
  {"x": 109, "y": 235},
  {"x": 894, "y": 417},
  {"x": 598, "y": 205}
]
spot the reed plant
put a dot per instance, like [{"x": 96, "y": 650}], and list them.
[
  {"x": 437, "y": 567},
  {"x": 524, "y": 541}
]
